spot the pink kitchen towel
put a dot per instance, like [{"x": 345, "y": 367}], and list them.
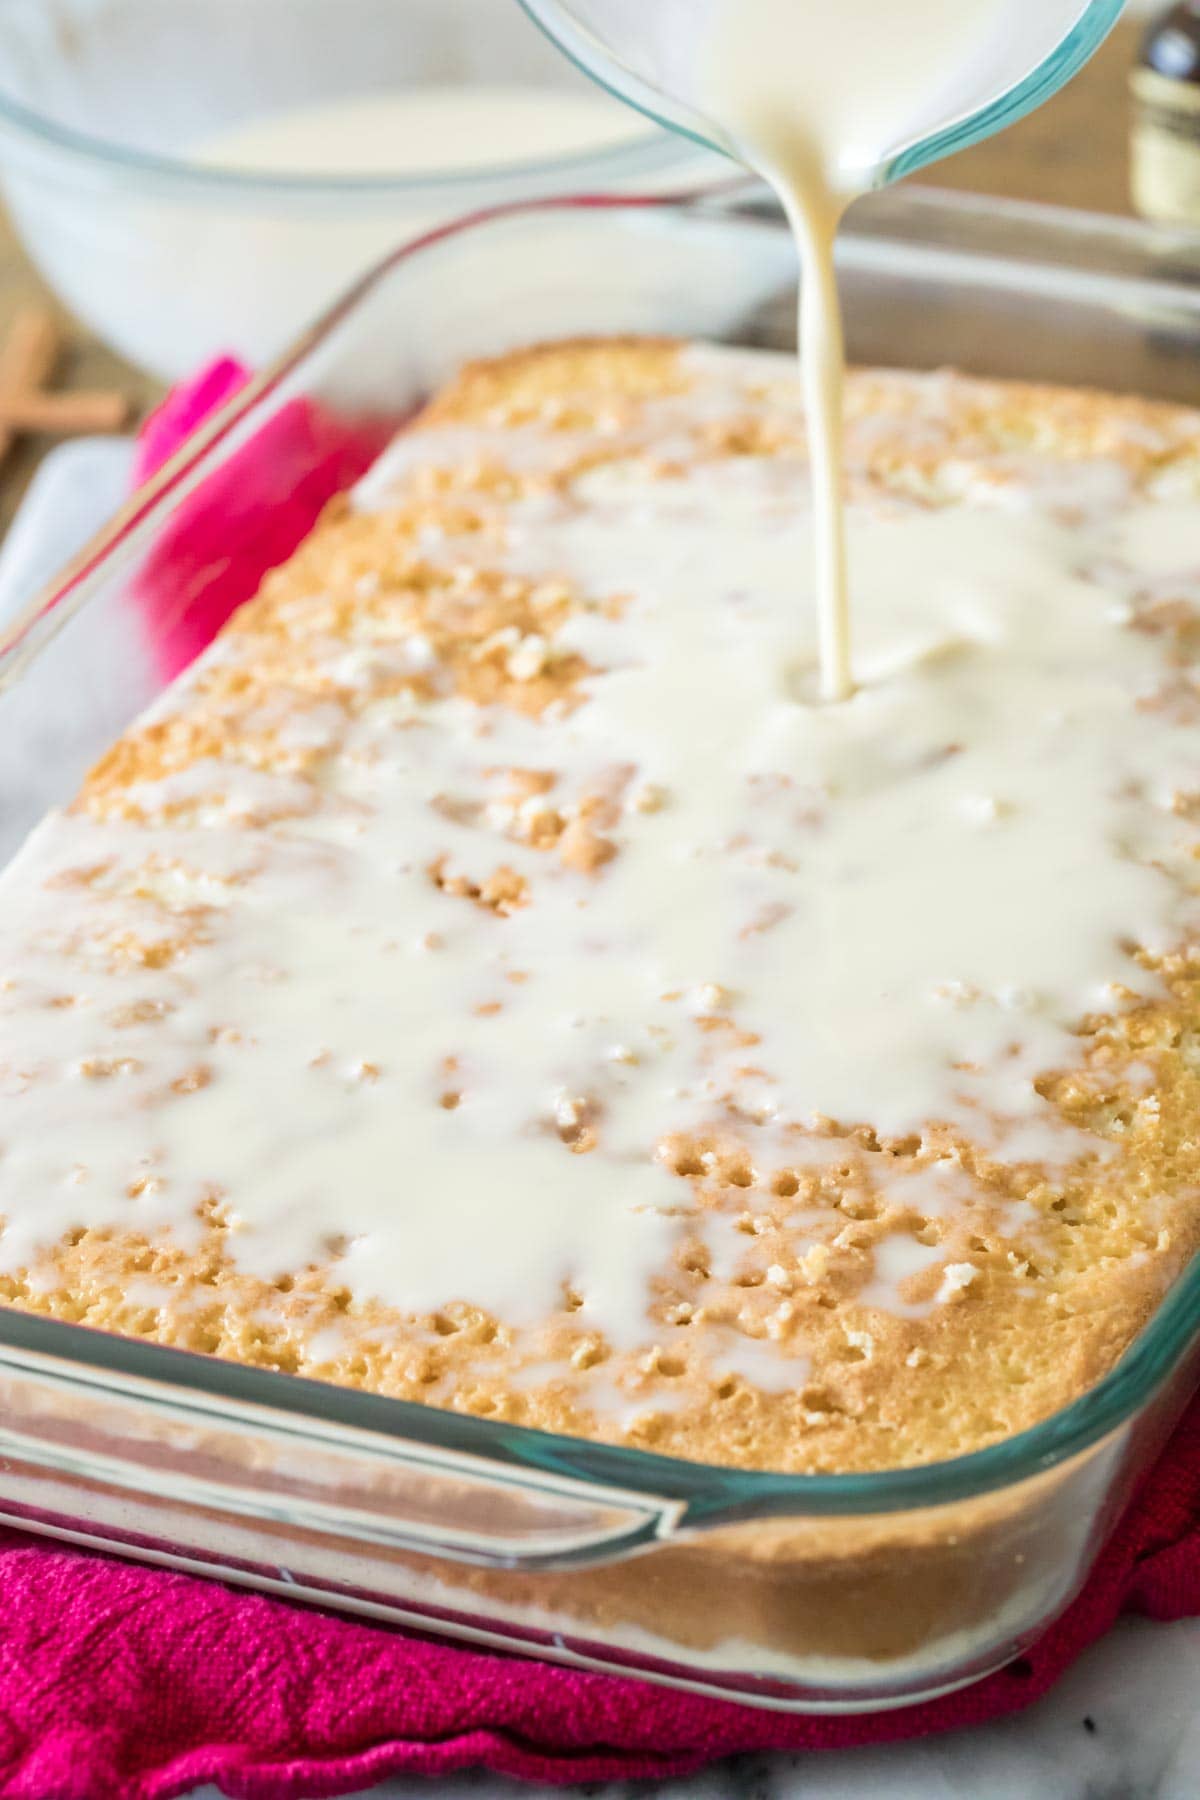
[
  {"x": 247, "y": 517},
  {"x": 120, "y": 1682}
]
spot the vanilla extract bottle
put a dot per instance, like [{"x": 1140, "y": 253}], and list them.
[{"x": 1165, "y": 142}]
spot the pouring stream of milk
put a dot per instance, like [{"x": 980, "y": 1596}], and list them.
[{"x": 814, "y": 97}]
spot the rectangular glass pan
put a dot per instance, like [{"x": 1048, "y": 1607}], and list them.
[{"x": 823, "y": 1592}]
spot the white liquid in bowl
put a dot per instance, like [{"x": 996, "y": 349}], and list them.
[
  {"x": 174, "y": 270},
  {"x": 425, "y": 131}
]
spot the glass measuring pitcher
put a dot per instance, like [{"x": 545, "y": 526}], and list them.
[{"x": 647, "y": 53}]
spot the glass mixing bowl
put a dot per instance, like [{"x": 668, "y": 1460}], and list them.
[{"x": 103, "y": 104}]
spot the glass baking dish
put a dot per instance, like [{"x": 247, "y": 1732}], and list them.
[{"x": 805, "y": 1592}]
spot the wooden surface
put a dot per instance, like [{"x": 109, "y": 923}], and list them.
[{"x": 1072, "y": 153}]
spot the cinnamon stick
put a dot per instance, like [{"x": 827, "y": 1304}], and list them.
[
  {"x": 69, "y": 414},
  {"x": 27, "y": 358}
]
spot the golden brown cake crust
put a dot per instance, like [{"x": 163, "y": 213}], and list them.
[{"x": 1051, "y": 1304}]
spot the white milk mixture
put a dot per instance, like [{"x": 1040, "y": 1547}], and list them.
[
  {"x": 423, "y": 131},
  {"x": 815, "y": 96}
]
